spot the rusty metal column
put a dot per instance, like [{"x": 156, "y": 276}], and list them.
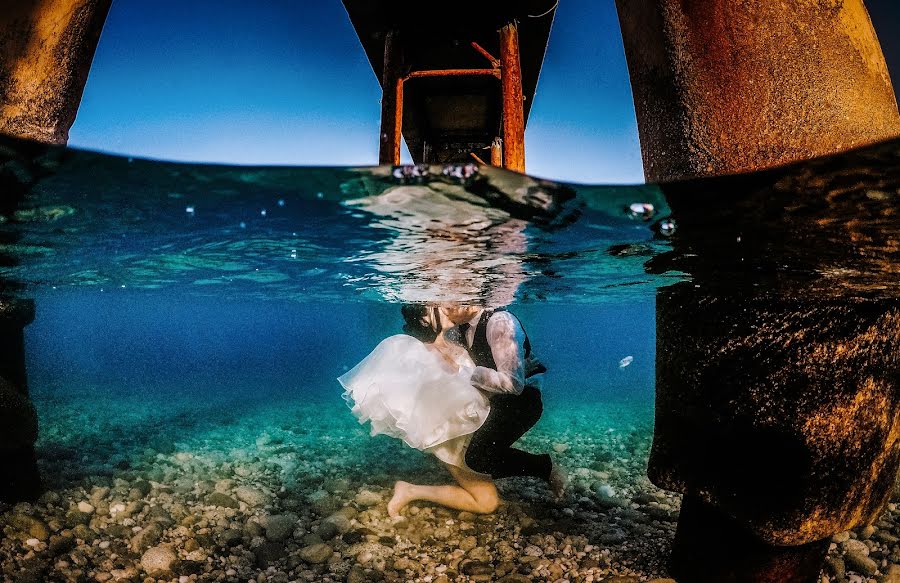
[
  {"x": 513, "y": 101},
  {"x": 497, "y": 152},
  {"x": 391, "y": 101}
]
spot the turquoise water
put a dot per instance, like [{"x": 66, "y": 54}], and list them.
[{"x": 190, "y": 322}]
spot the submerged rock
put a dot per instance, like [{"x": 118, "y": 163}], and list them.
[
  {"x": 367, "y": 498},
  {"x": 279, "y": 527},
  {"x": 317, "y": 553},
  {"x": 268, "y": 553},
  {"x": 159, "y": 561},
  {"x": 223, "y": 500},
  {"x": 30, "y": 527},
  {"x": 250, "y": 496}
]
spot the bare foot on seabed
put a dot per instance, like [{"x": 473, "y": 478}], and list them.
[{"x": 400, "y": 498}]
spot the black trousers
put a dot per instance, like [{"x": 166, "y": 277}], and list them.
[{"x": 491, "y": 451}]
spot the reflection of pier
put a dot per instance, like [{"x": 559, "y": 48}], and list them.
[{"x": 711, "y": 98}]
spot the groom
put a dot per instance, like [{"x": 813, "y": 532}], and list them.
[{"x": 507, "y": 370}]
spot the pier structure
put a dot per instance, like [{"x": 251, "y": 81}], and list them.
[{"x": 457, "y": 88}]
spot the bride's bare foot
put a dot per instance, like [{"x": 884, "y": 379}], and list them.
[{"x": 400, "y": 499}]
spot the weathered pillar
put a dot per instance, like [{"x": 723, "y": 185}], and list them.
[
  {"x": 46, "y": 49},
  {"x": 391, "y": 101},
  {"x": 19, "y": 478},
  {"x": 723, "y": 87},
  {"x": 777, "y": 408},
  {"x": 778, "y": 364},
  {"x": 513, "y": 101},
  {"x": 497, "y": 152}
]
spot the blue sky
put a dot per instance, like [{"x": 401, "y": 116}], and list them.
[{"x": 288, "y": 83}]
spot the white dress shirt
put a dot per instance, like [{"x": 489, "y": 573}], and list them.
[{"x": 506, "y": 338}]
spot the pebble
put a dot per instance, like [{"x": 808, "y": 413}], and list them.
[
  {"x": 85, "y": 507},
  {"x": 853, "y": 545},
  {"x": 158, "y": 561},
  {"x": 860, "y": 563},
  {"x": 279, "y": 526},
  {"x": 222, "y": 500},
  {"x": 268, "y": 553},
  {"x": 317, "y": 553},
  {"x": 250, "y": 496},
  {"x": 367, "y": 498}
]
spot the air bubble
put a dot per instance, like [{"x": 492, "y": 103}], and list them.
[
  {"x": 280, "y": 202},
  {"x": 667, "y": 228},
  {"x": 243, "y": 225},
  {"x": 641, "y": 210},
  {"x": 189, "y": 210},
  {"x": 263, "y": 212}
]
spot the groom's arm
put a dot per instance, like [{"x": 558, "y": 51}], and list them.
[{"x": 506, "y": 339}]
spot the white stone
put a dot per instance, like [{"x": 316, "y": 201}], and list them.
[
  {"x": 366, "y": 498},
  {"x": 85, "y": 507},
  {"x": 158, "y": 559},
  {"x": 32, "y": 542},
  {"x": 855, "y": 545}
]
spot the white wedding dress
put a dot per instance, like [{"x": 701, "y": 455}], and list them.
[{"x": 408, "y": 390}]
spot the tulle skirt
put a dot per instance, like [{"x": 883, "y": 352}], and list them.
[{"x": 405, "y": 389}]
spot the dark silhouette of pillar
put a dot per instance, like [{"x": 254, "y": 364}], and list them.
[
  {"x": 391, "y": 101},
  {"x": 19, "y": 478},
  {"x": 778, "y": 365}
]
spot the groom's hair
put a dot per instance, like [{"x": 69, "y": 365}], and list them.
[{"x": 412, "y": 316}]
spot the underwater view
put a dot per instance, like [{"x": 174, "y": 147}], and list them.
[{"x": 184, "y": 327}]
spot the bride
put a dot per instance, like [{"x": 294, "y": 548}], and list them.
[{"x": 416, "y": 387}]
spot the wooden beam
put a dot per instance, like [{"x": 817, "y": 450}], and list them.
[
  {"x": 513, "y": 101},
  {"x": 391, "y": 101}
]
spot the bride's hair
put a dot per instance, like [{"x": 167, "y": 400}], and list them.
[{"x": 413, "y": 314}]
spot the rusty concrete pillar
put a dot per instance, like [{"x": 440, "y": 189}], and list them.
[
  {"x": 46, "y": 49},
  {"x": 778, "y": 364},
  {"x": 723, "y": 87}
]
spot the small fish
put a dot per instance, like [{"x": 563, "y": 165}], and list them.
[{"x": 626, "y": 361}]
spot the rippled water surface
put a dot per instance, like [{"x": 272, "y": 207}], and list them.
[{"x": 191, "y": 320}]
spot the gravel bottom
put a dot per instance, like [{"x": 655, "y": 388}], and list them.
[{"x": 171, "y": 490}]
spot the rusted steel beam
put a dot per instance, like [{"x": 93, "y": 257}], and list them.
[
  {"x": 391, "y": 101},
  {"x": 455, "y": 73},
  {"x": 495, "y": 62},
  {"x": 497, "y": 152},
  {"x": 513, "y": 101}
]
